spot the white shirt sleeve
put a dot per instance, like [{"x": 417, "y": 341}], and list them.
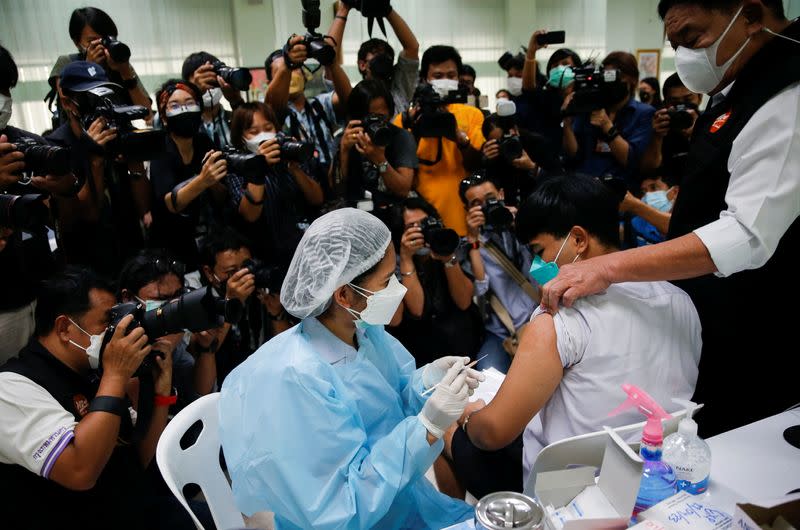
[
  {"x": 763, "y": 195},
  {"x": 35, "y": 429},
  {"x": 572, "y": 334}
]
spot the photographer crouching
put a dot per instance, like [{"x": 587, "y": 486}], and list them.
[
  {"x": 437, "y": 317},
  {"x": 374, "y": 156},
  {"x": 67, "y": 433}
]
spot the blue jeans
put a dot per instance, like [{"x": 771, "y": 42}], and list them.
[{"x": 498, "y": 358}]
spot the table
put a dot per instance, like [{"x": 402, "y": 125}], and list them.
[{"x": 754, "y": 462}]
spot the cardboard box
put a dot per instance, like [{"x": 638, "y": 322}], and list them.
[
  {"x": 620, "y": 475},
  {"x": 749, "y": 516}
]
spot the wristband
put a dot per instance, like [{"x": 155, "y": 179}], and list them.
[
  {"x": 407, "y": 274},
  {"x": 110, "y": 404},
  {"x": 166, "y": 401},
  {"x": 340, "y": 17},
  {"x": 251, "y": 200},
  {"x": 476, "y": 245},
  {"x": 451, "y": 262},
  {"x": 611, "y": 134},
  {"x": 130, "y": 84}
]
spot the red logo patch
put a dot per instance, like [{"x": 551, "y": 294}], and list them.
[
  {"x": 81, "y": 404},
  {"x": 719, "y": 122}
]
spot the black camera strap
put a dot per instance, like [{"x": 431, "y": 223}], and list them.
[{"x": 438, "y": 154}]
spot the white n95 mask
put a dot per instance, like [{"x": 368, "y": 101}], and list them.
[
  {"x": 212, "y": 97},
  {"x": 5, "y": 110},
  {"x": 253, "y": 143},
  {"x": 698, "y": 68},
  {"x": 95, "y": 343},
  {"x": 381, "y": 305},
  {"x": 444, "y": 86},
  {"x": 514, "y": 85}
]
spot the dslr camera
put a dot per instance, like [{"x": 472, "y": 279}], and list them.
[
  {"x": 21, "y": 212},
  {"x": 510, "y": 145},
  {"x": 378, "y": 129},
  {"x": 496, "y": 214},
  {"x": 132, "y": 143},
  {"x": 596, "y": 89},
  {"x": 251, "y": 166},
  {"x": 268, "y": 277},
  {"x": 443, "y": 241},
  {"x": 119, "y": 51},
  {"x": 315, "y": 42},
  {"x": 433, "y": 120},
  {"x": 42, "y": 158},
  {"x": 680, "y": 118},
  {"x": 238, "y": 78},
  {"x": 294, "y": 150},
  {"x": 195, "y": 311}
]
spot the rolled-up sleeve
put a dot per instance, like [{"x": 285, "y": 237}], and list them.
[{"x": 763, "y": 195}]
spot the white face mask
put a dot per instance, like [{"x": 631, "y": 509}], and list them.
[
  {"x": 95, "y": 343},
  {"x": 514, "y": 85},
  {"x": 381, "y": 305},
  {"x": 444, "y": 86},
  {"x": 5, "y": 110},
  {"x": 698, "y": 68},
  {"x": 253, "y": 143},
  {"x": 212, "y": 97}
]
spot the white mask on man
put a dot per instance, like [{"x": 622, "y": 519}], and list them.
[
  {"x": 93, "y": 350},
  {"x": 212, "y": 97},
  {"x": 514, "y": 85},
  {"x": 698, "y": 68},
  {"x": 5, "y": 110},
  {"x": 443, "y": 87}
]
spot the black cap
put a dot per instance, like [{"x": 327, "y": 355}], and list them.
[{"x": 80, "y": 76}]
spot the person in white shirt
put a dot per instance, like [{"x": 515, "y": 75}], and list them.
[
  {"x": 734, "y": 232},
  {"x": 570, "y": 366}
]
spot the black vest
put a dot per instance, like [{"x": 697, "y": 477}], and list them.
[
  {"x": 743, "y": 368},
  {"x": 30, "y": 501}
]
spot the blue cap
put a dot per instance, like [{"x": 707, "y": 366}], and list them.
[{"x": 80, "y": 76}]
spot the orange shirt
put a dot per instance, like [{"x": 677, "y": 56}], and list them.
[{"x": 438, "y": 183}]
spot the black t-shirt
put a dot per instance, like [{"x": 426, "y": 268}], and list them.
[
  {"x": 178, "y": 232},
  {"x": 674, "y": 155},
  {"x": 539, "y": 111},
  {"x": 364, "y": 175}
]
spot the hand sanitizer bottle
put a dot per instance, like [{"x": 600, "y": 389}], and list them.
[
  {"x": 688, "y": 454},
  {"x": 658, "y": 478}
]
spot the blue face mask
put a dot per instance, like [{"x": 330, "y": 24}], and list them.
[
  {"x": 658, "y": 200},
  {"x": 149, "y": 305},
  {"x": 543, "y": 271}
]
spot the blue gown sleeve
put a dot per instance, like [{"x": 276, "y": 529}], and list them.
[
  {"x": 315, "y": 468},
  {"x": 400, "y": 369}
]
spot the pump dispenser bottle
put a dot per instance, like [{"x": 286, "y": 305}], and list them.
[
  {"x": 658, "y": 478},
  {"x": 688, "y": 454}
]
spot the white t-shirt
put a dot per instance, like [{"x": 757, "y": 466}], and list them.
[
  {"x": 644, "y": 333},
  {"x": 35, "y": 429}
]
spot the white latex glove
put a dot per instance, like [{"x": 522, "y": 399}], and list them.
[
  {"x": 447, "y": 402},
  {"x": 435, "y": 371}
]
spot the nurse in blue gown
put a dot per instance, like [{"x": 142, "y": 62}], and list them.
[{"x": 325, "y": 424}]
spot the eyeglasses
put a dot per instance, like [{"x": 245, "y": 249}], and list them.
[
  {"x": 472, "y": 180},
  {"x": 164, "y": 266}
]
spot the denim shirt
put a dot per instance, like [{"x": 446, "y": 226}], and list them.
[{"x": 594, "y": 157}]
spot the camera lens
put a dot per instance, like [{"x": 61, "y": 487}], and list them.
[
  {"x": 248, "y": 165},
  {"x": 443, "y": 241},
  {"x": 239, "y": 78},
  {"x": 44, "y": 159},
  {"x": 680, "y": 119},
  {"x": 198, "y": 310},
  {"x": 321, "y": 51},
  {"x": 23, "y": 211},
  {"x": 294, "y": 151},
  {"x": 378, "y": 129},
  {"x": 497, "y": 215},
  {"x": 119, "y": 52}
]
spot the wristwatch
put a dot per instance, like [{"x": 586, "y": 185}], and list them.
[
  {"x": 452, "y": 262},
  {"x": 382, "y": 167},
  {"x": 611, "y": 134},
  {"x": 130, "y": 84}
]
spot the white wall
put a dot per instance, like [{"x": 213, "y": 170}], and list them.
[{"x": 243, "y": 32}]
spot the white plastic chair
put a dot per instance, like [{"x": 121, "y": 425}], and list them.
[
  {"x": 587, "y": 449},
  {"x": 199, "y": 463}
]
